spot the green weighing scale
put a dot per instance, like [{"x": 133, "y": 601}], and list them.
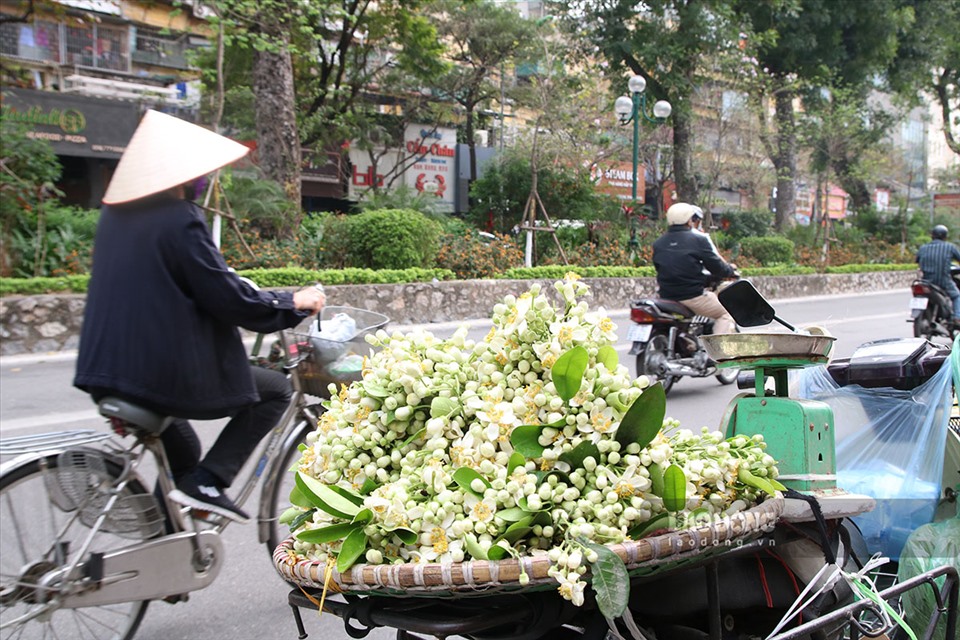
[{"x": 799, "y": 433}]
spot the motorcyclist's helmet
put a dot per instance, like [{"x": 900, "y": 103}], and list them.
[
  {"x": 939, "y": 232},
  {"x": 682, "y": 213}
]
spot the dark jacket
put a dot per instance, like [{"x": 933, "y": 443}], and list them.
[
  {"x": 162, "y": 312},
  {"x": 680, "y": 256}
]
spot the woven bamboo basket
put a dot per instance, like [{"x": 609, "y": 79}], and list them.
[{"x": 481, "y": 576}]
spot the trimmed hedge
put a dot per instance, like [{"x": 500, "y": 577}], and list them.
[
  {"x": 768, "y": 250},
  {"x": 557, "y": 271},
  {"x": 297, "y": 277},
  {"x": 871, "y": 268}
]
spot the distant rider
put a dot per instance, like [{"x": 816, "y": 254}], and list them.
[
  {"x": 680, "y": 257},
  {"x": 935, "y": 259}
]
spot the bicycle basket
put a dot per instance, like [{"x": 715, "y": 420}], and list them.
[{"x": 335, "y": 357}]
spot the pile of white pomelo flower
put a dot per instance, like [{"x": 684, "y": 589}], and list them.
[{"x": 534, "y": 440}]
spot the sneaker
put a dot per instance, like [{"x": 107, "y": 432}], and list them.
[{"x": 207, "y": 497}]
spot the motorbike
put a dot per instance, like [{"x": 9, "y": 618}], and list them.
[
  {"x": 931, "y": 310},
  {"x": 666, "y": 342}
]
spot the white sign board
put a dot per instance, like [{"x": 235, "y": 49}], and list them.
[{"x": 430, "y": 155}]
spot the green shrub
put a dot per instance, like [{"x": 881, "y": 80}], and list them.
[
  {"x": 391, "y": 239},
  {"x": 472, "y": 257},
  {"x": 870, "y": 268},
  {"x": 558, "y": 271},
  {"x": 35, "y": 286},
  {"x": 60, "y": 243},
  {"x": 778, "y": 270},
  {"x": 297, "y": 277},
  {"x": 767, "y": 250},
  {"x": 745, "y": 224}
]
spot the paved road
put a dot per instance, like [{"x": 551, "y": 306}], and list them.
[{"x": 248, "y": 600}]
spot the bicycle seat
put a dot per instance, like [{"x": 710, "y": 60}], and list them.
[{"x": 134, "y": 415}]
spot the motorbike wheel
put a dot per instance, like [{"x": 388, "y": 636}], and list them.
[
  {"x": 923, "y": 324},
  {"x": 649, "y": 360}
]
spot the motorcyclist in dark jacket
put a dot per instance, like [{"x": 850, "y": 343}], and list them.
[
  {"x": 680, "y": 257},
  {"x": 935, "y": 259}
]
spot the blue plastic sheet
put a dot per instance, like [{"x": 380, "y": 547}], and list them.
[{"x": 890, "y": 446}]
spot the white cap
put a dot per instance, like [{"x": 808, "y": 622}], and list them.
[
  {"x": 164, "y": 152},
  {"x": 681, "y": 212}
]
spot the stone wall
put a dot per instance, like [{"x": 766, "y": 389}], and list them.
[{"x": 49, "y": 323}]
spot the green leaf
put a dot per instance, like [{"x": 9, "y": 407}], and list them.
[
  {"x": 496, "y": 552},
  {"x": 517, "y": 530},
  {"x": 578, "y": 454},
  {"x": 464, "y": 476},
  {"x": 297, "y": 522},
  {"x": 610, "y": 581},
  {"x": 441, "y": 407},
  {"x": 516, "y": 460},
  {"x": 349, "y": 495},
  {"x": 375, "y": 390},
  {"x": 328, "y": 534},
  {"x": 368, "y": 486},
  {"x": 364, "y": 516},
  {"x": 776, "y": 484},
  {"x": 406, "y": 535},
  {"x": 661, "y": 521},
  {"x": 674, "y": 489},
  {"x": 747, "y": 478},
  {"x": 644, "y": 419},
  {"x": 474, "y": 548},
  {"x": 607, "y": 356},
  {"x": 297, "y": 498},
  {"x": 526, "y": 440},
  {"x": 352, "y": 548},
  {"x": 567, "y": 372},
  {"x": 322, "y": 497},
  {"x": 656, "y": 479},
  {"x": 513, "y": 514}
]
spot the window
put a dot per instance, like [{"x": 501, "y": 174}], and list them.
[{"x": 37, "y": 41}]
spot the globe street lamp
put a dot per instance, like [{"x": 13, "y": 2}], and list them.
[{"x": 633, "y": 107}]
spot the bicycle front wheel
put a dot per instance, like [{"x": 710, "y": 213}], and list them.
[
  {"x": 279, "y": 498},
  {"x": 46, "y": 514}
]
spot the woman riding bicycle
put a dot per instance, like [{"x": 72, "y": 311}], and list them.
[{"x": 162, "y": 311}]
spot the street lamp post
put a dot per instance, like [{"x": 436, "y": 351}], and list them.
[{"x": 631, "y": 109}]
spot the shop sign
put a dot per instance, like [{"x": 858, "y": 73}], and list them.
[
  {"x": 74, "y": 125},
  {"x": 431, "y": 153},
  {"x": 616, "y": 179}
]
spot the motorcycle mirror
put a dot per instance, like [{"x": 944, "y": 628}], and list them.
[{"x": 747, "y": 306}]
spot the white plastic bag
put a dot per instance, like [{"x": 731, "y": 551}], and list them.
[{"x": 331, "y": 340}]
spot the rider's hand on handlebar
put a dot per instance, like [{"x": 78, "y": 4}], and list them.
[{"x": 309, "y": 299}]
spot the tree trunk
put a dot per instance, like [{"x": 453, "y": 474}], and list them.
[
  {"x": 278, "y": 146},
  {"x": 472, "y": 146},
  {"x": 683, "y": 175},
  {"x": 785, "y": 161}
]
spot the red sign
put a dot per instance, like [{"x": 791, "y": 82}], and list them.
[{"x": 616, "y": 179}]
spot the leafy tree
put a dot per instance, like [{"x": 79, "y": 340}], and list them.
[
  {"x": 667, "y": 42},
  {"x": 928, "y": 61},
  {"x": 482, "y": 37},
  {"x": 806, "y": 44},
  {"x": 313, "y": 63}
]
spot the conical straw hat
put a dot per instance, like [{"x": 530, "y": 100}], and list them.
[{"x": 165, "y": 152}]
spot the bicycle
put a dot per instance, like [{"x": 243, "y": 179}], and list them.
[{"x": 86, "y": 544}]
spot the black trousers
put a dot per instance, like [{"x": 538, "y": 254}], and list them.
[{"x": 239, "y": 437}]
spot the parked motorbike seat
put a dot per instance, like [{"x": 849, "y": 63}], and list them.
[{"x": 672, "y": 306}]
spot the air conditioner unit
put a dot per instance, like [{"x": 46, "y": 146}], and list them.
[{"x": 481, "y": 138}]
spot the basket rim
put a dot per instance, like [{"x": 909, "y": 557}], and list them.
[{"x": 483, "y": 575}]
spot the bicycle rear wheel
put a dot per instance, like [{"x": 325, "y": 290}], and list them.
[{"x": 45, "y": 516}]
